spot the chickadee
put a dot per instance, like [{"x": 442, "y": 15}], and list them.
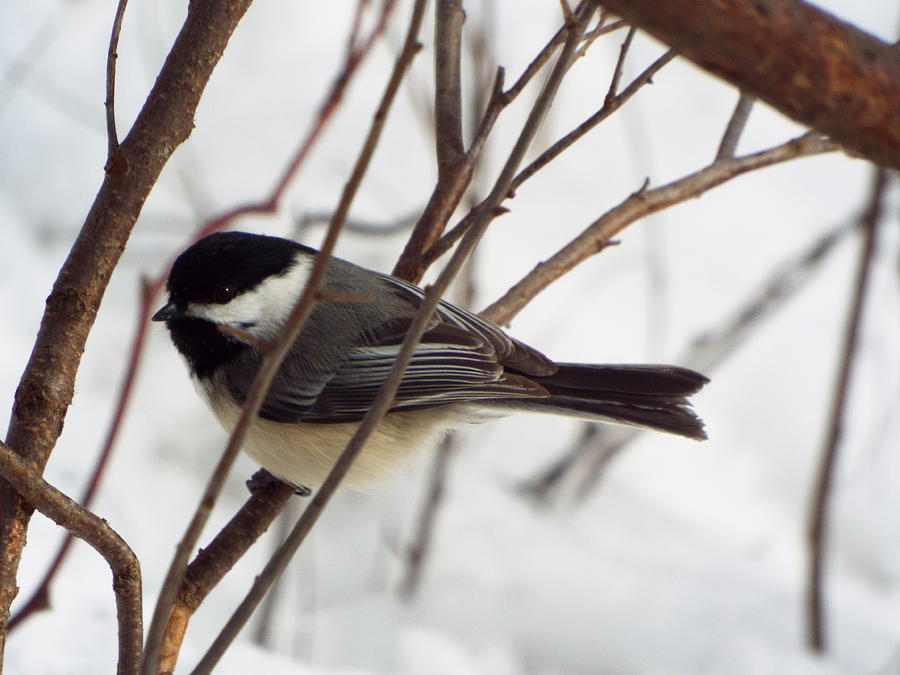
[{"x": 233, "y": 291}]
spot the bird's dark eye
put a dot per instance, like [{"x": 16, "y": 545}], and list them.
[{"x": 223, "y": 295}]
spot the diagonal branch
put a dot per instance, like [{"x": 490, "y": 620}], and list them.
[
  {"x": 456, "y": 178},
  {"x": 811, "y": 66},
  {"x": 638, "y": 205}
]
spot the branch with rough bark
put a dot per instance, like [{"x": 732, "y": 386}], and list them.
[{"x": 808, "y": 64}]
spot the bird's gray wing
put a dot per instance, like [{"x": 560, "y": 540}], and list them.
[{"x": 461, "y": 357}]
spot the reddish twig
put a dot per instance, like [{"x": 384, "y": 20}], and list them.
[
  {"x": 450, "y": 189},
  {"x": 620, "y": 66},
  {"x": 112, "y": 136},
  {"x": 818, "y": 517}
]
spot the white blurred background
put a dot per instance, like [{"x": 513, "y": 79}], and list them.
[{"x": 684, "y": 558}]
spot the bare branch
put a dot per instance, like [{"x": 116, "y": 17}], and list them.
[
  {"x": 610, "y": 106},
  {"x": 449, "y": 18},
  {"x": 216, "y": 559},
  {"x": 112, "y": 137},
  {"x": 620, "y": 65},
  {"x": 811, "y": 66},
  {"x": 735, "y": 128},
  {"x": 816, "y": 526},
  {"x": 102, "y": 538},
  {"x": 639, "y": 205}
]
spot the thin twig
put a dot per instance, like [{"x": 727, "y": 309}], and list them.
[
  {"x": 620, "y": 66},
  {"x": 641, "y": 204},
  {"x": 451, "y": 237},
  {"x": 818, "y": 517},
  {"x": 270, "y": 362},
  {"x": 735, "y": 128},
  {"x": 112, "y": 137},
  {"x": 216, "y": 559},
  {"x": 100, "y": 536},
  {"x": 609, "y": 107},
  {"x": 383, "y": 401}
]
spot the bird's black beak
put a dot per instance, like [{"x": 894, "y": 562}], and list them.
[{"x": 168, "y": 312}]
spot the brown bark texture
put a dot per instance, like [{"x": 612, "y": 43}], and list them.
[{"x": 808, "y": 64}]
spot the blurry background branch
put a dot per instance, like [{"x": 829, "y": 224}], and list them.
[{"x": 870, "y": 220}]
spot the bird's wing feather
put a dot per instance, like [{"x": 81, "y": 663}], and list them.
[{"x": 460, "y": 358}]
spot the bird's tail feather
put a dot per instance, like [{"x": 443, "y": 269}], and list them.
[{"x": 648, "y": 396}]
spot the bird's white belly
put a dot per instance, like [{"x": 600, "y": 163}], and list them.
[{"x": 304, "y": 453}]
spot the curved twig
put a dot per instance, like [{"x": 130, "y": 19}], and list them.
[
  {"x": 112, "y": 136},
  {"x": 126, "y": 569}
]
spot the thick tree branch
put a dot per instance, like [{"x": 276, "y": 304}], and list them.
[
  {"x": 102, "y": 538},
  {"x": 806, "y": 63},
  {"x": 46, "y": 388}
]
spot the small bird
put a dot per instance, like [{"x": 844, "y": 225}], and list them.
[{"x": 231, "y": 293}]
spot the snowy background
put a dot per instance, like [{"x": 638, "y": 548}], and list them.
[{"x": 687, "y": 558}]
